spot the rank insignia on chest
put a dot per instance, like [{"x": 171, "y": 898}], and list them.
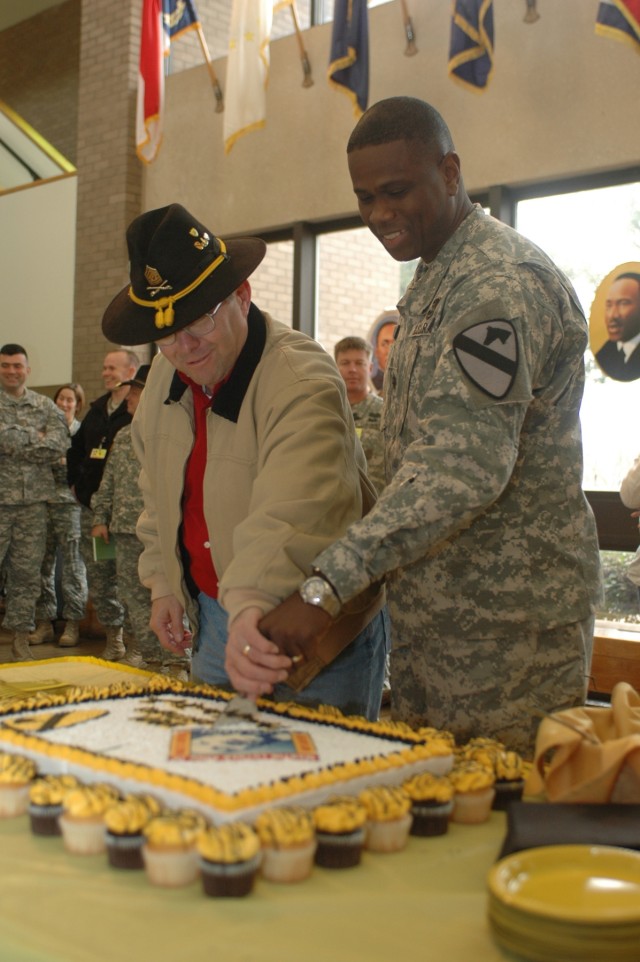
[{"x": 488, "y": 355}]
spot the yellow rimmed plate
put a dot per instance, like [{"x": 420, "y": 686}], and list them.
[{"x": 588, "y": 884}]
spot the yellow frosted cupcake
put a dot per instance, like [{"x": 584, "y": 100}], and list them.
[
  {"x": 340, "y": 831},
  {"x": 431, "y": 799},
  {"x": 288, "y": 839},
  {"x": 229, "y": 859},
  {"x": 125, "y": 823},
  {"x": 82, "y": 818},
  {"x": 511, "y": 772},
  {"x": 46, "y": 796},
  {"x": 16, "y": 775},
  {"x": 388, "y": 818},
  {"x": 169, "y": 849},
  {"x": 473, "y": 792}
]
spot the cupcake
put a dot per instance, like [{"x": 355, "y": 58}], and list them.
[
  {"x": 340, "y": 831},
  {"x": 169, "y": 849},
  {"x": 388, "y": 818},
  {"x": 510, "y": 772},
  {"x": 82, "y": 818},
  {"x": 16, "y": 775},
  {"x": 431, "y": 799},
  {"x": 125, "y": 823},
  {"x": 474, "y": 792},
  {"x": 46, "y": 795},
  {"x": 229, "y": 859},
  {"x": 288, "y": 840}
]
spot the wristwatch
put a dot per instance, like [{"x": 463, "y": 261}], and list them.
[{"x": 316, "y": 590}]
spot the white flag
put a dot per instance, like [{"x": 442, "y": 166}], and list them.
[{"x": 247, "y": 69}]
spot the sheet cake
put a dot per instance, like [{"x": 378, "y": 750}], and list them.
[{"x": 162, "y": 740}]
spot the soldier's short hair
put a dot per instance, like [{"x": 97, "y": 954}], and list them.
[
  {"x": 11, "y": 349},
  {"x": 132, "y": 357},
  {"x": 401, "y": 118},
  {"x": 352, "y": 343}
]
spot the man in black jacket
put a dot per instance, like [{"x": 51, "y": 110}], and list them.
[{"x": 86, "y": 461}]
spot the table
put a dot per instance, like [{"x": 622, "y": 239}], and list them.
[{"x": 425, "y": 904}]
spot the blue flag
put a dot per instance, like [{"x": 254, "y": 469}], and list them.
[
  {"x": 620, "y": 19},
  {"x": 349, "y": 58},
  {"x": 178, "y": 16},
  {"x": 471, "y": 48}
]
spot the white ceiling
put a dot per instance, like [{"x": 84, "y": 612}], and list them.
[{"x": 13, "y": 11}]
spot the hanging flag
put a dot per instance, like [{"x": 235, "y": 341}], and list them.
[
  {"x": 349, "y": 58},
  {"x": 471, "y": 47},
  {"x": 620, "y": 19},
  {"x": 150, "y": 82},
  {"x": 179, "y": 16},
  {"x": 247, "y": 69}
]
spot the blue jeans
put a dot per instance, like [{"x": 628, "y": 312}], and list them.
[{"x": 353, "y": 682}]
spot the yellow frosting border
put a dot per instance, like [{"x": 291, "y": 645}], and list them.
[{"x": 413, "y": 747}]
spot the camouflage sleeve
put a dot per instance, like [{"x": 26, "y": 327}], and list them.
[
  {"x": 48, "y": 438},
  {"x": 102, "y": 499}
]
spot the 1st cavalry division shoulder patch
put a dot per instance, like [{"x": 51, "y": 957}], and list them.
[{"x": 488, "y": 355}]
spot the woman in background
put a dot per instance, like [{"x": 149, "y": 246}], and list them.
[{"x": 63, "y": 544}]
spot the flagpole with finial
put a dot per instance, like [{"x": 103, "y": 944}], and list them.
[
  {"x": 411, "y": 48},
  {"x": 212, "y": 74},
  {"x": 531, "y": 14},
  {"x": 306, "y": 66}
]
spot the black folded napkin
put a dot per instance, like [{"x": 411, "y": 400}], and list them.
[{"x": 532, "y": 824}]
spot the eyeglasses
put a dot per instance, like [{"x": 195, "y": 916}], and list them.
[{"x": 200, "y": 328}]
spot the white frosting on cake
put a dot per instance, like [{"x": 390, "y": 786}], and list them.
[{"x": 163, "y": 742}]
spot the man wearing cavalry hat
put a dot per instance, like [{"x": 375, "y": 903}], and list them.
[{"x": 250, "y": 465}]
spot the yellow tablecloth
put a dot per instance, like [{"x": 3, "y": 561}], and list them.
[{"x": 425, "y": 904}]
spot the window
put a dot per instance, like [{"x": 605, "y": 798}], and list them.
[{"x": 588, "y": 233}]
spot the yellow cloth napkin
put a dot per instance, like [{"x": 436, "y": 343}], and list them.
[{"x": 590, "y": 754}]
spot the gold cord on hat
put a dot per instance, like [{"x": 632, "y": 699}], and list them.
[{"x": 165, "y": 314}]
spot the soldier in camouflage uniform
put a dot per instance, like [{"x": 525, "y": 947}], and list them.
[
  {"x": 33, "y": 437},
  {"x": 353, "y": 357},
  {"x": 63, "y": 543},
  {"x": 117, "y": 505},
  {"x": 483, "y": 532}
]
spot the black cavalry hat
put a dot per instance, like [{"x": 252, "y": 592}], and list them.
[
  {"x": 139, "y": 379},
  {"x": 179, "y": 270}
]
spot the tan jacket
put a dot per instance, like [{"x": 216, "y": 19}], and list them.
[{"x": 285, "y": 473}]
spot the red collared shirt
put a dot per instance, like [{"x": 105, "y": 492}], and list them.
[{"x": 195, "y": 534}]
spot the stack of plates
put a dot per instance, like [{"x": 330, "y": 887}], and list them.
[{"x": 567, "y": 903}]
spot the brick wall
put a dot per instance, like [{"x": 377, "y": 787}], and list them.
[
  {"x": 39, "y": 60},
  {"x": 357, "y": 281},
  {"x": 109, "y": 174}
]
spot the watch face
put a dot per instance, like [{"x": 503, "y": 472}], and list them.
[{"x": 316, "y": 591}]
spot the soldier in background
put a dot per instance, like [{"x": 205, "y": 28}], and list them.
[
  {"x": 117, "y": 505},
  {"x": 33, "y": 437},
  {"x": 86, "y": 461},
  {"x": 353, "y": 357},
  {"x": 63, "y": 543},
  {"x": 483, "y": 532}
]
